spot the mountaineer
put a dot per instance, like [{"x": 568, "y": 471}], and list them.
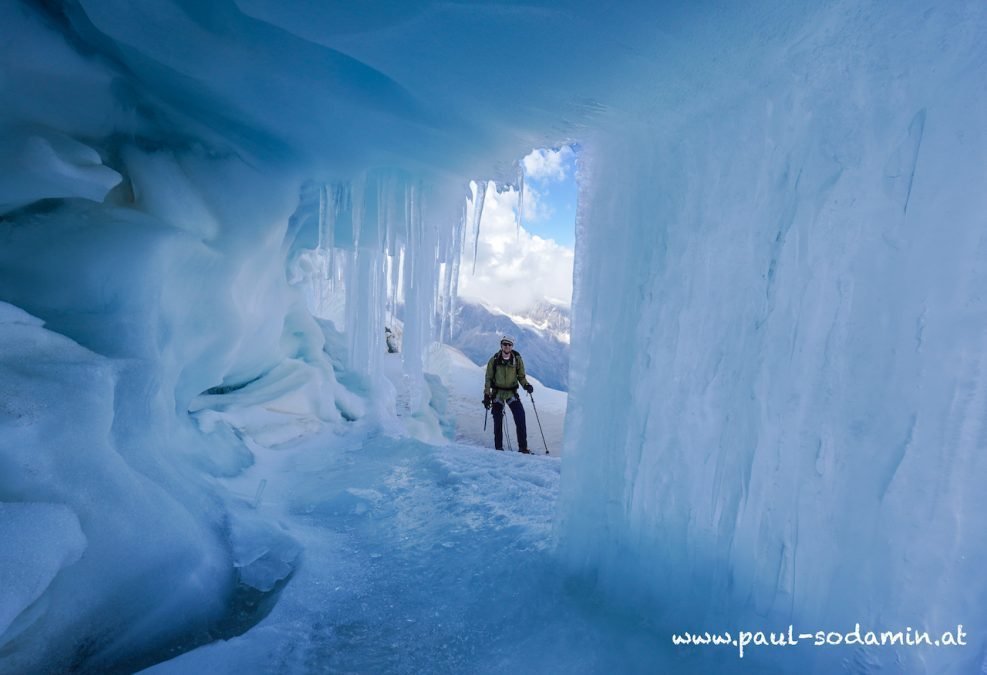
[{"x": 505, "y": 373}]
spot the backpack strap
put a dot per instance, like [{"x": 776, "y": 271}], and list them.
[{"x": 511, "y": 363}]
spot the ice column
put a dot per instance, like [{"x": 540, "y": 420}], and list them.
[
  {"x": 420, "y": 273},
  {"x": 451, "y": 245},
  {"x": 366, "y": 280},
  {"x": 456, "y": 259},
  {"x": 393, "y": 238}
]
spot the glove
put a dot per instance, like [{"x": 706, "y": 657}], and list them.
[
  {"x": 486, "y": 401},
  {"x": 528, "y": 388}
]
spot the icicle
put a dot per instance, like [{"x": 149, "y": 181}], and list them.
[
  {"x": 413, "y": 311},
  {"x": 387, "y": 188},
  {"x": 437, "y": 281},
  {"x": 323, "y": 284},
  {"x": 456, "y": 258},
  {"x": 322, "y": 215},
  {"x": 481, "y": 196},
  {"x": 520, "y": 197},
  {"x": 357, "y": 208},
  {"x": 334, "y": 196},
  {"x": 443, "y": 300},
  {"x": 366, "y": 280},
  {"x": 452, "y": 253},
  {"x": 436, "y": 299},
  {"x": 389, "y": 304},
  {"x": 399, "y": 291}
]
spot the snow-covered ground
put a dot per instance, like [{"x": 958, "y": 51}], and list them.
[
  {"x": 422, "y": 559},
  {"x": 417, "y": 557}
]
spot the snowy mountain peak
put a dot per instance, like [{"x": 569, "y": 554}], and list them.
[
  {"x": 542, "y": 336},
  {"x": 549, "y": 317}
]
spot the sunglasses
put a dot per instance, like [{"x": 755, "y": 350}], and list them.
[{"x": 506, "y": 344}]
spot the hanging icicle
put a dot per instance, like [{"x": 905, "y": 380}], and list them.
[
  {"x": 336, "y": 197},
  {"x": 481, "y": 196},
  {"x": 456, "y": 257},
  {"x": 441, "y": 299},
  {"x": 323, "y": 199}
]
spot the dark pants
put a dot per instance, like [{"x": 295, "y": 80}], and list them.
[{"x": 522, "y": 430}]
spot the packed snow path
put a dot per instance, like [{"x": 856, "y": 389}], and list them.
[{"x": 422, "y": 559}]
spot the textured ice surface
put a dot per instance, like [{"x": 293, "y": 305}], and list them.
[
  {"x": 37, "y": 167},
  {"x": 778, "y": 337},
  {"x": 51, "y": 533},
  {"x": 800, "y": 340},
  {"x": 424, "y": 559},
  {"x": 85, "y": 534}
]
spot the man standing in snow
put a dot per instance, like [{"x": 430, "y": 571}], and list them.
[{"x": 505, "y": 373}]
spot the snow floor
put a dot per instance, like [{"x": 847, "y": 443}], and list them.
[{"x": 420, "y": 558}]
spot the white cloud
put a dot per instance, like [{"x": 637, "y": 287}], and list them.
[
  {"x": 547, "y": 164},
  {"x": 535, "y": 208},
  {"x": 514, "y": 271}
]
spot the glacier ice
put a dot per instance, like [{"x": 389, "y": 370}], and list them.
[
  {"x": 51, "y": 536},
  {"x": 87, "y": 534},
  {"x": 776, "y": 388},
  {"x": 801, "y": 343},
  {"x": 50, "y": 166}
]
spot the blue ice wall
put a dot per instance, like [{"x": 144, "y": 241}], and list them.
[{"x": 779, "y": 364}]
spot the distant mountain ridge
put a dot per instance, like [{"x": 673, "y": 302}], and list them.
[{"x": 541, "y": 336}]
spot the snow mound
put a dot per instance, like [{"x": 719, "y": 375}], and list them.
[{"x": 73, "y": 492}]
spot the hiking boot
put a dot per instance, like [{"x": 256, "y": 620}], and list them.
[
  {"x": 501, "y": 449},
  {"x": 525, "y": 451}
]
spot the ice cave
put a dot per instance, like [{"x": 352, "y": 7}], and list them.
[{"x": 218, "y": 218}]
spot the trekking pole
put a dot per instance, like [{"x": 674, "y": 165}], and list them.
[
  {"x": 485, "y": 415},
  {"x": 535, "y": 408}
]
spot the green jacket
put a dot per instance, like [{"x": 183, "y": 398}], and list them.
[{"x": 503, "y": 377}]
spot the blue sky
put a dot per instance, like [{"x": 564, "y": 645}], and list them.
[{"x": 551, "y": 176}]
